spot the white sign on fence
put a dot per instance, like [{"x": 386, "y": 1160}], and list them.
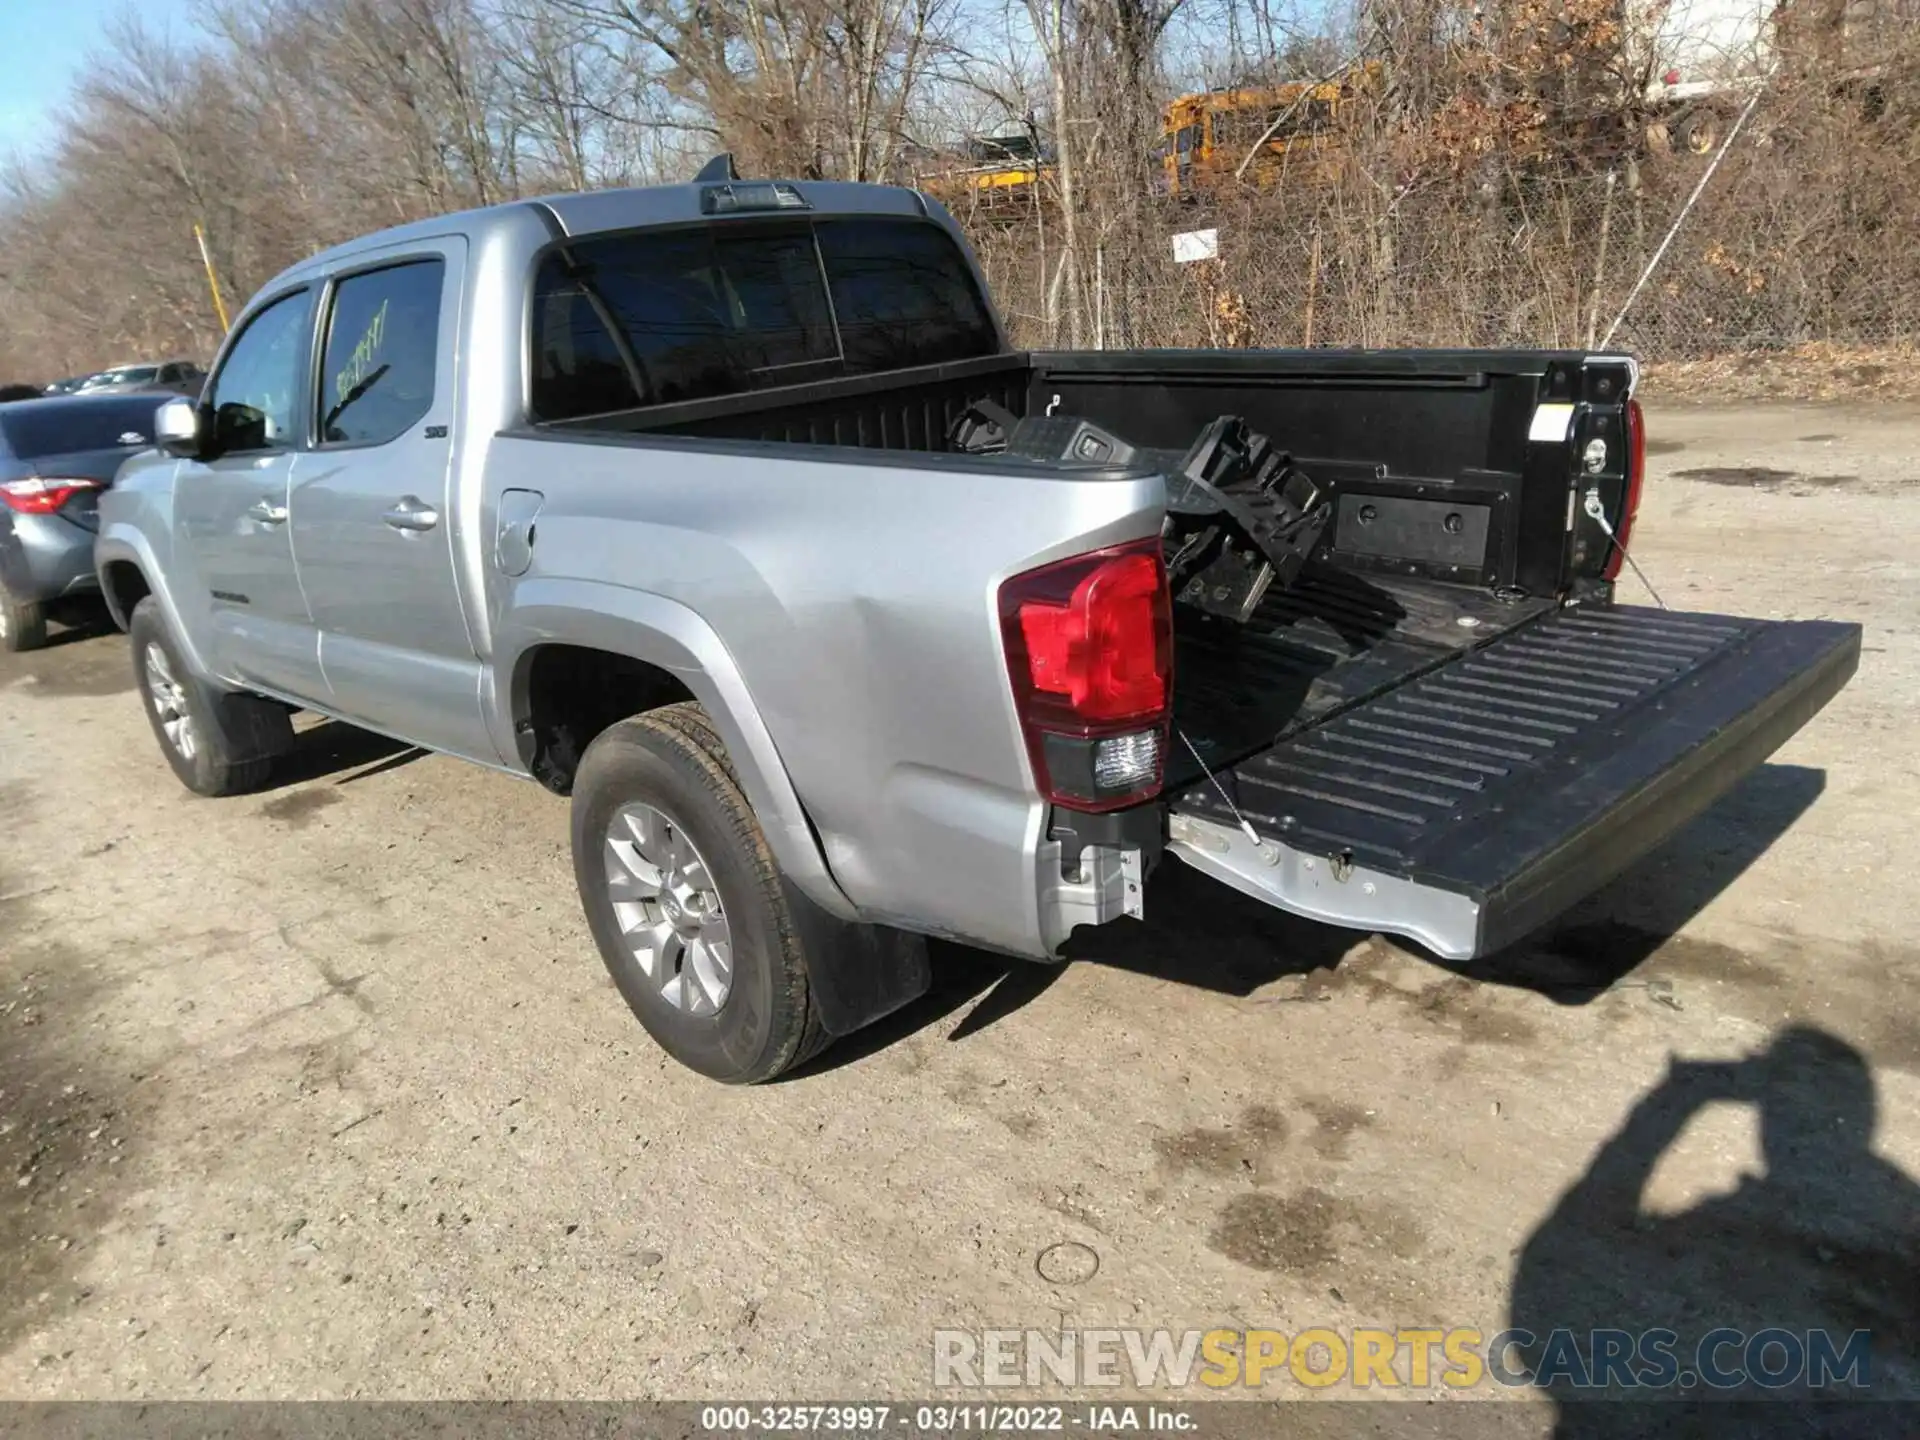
[{"x": 1194, "y": 245}]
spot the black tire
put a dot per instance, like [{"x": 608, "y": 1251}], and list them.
[
  {"x": 1698, "y": 133},
  {"x": 23, "y": 623},
  {"x": 235, "y": 737},
  {"x": 671, "y": 760},
  {"x": 692, "y": 721}
]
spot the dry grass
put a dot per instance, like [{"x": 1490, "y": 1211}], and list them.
[{"x": 1820, "y": 371}]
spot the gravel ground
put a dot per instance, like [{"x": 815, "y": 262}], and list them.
[{"x": 324, "y": 1092}]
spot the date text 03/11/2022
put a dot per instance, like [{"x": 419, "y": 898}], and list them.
[{"x": 868, "y": 1419}]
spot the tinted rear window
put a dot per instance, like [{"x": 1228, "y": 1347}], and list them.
[
  {"x": 33, "y": 429},
  {"x": 719, "y": 310},
  {"x": 902, "y": 294}
]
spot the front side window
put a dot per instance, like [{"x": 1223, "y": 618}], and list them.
[
  {"x": 664, "y": 316},
  {"x": 383, "y": 336},
  {"x": 255, "y": 394}
]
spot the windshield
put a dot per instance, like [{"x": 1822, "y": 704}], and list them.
[{"x": 32, "y": 430}]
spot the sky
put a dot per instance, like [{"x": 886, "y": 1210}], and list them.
[{"x": 43, "y": 48}]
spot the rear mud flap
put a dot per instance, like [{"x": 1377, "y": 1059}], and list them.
[{"x": 1472, "y": 805}]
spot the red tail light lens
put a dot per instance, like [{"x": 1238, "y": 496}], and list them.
[
  {"x": 38, "y": 496},
  {"x": 1630, "y": 504},
  {"x": 1089, "y": 646}
]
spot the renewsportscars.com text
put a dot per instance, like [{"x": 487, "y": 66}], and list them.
[{"x": 1459, "y": 1358}]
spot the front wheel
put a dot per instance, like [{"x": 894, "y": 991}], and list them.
[
  {"x": 217, "y": 742},
  {"x": 686, "y": 903}
]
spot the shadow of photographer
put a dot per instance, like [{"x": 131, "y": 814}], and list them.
[{"x": 1822, "y": 1246}]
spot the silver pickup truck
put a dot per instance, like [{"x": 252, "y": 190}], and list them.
[{"x": 728, "y": 509}]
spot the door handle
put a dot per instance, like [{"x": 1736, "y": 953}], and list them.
[
  {"x": 268, "y": 513},
  {"x": 412, "y": 513}
]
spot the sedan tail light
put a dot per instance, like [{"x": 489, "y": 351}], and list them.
[{"x": 42, "y": 495}]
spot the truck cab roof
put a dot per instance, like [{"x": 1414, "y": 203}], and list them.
[{"x": 568, "y": 216}]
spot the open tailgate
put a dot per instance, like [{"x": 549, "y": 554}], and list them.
[{"x": 1474, "y": 803}]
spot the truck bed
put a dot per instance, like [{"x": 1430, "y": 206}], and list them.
[
  {"x": 1355, "y": 624},
  {"x": 1443, "y": 728},
  {"x": 1331, "y": 641}
]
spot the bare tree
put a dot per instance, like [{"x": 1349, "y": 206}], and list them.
[{"x": 1458, "y": 200}]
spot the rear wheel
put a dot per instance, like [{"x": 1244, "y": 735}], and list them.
[
  {"x": 686, "y": 903},
  {"x": 23, "y": 623},
  {"x": 218, "y": 742}
]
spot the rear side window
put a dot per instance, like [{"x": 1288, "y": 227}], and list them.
[
  {"x": 658, "y": 317},
  {"x": 376, "y": 380},
  {"x": 902, "y": 294}
]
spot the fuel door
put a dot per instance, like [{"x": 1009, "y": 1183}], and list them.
[{"x": 513, "y": 541}]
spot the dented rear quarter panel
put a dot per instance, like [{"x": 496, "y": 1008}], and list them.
[{"x": 858, "y": 599}]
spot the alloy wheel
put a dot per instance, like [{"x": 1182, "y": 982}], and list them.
[
  {"x": 668, "y": 909},
  {"x": 169, "y": 702}
]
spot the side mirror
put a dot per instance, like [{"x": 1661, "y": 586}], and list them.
[{"x": 176, "y": 429}]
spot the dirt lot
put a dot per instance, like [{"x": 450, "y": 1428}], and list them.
[{"x": 325, "y": 1092}]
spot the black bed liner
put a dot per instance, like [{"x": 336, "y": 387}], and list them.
[
  {"x": 1331, "y": 640},
  {"x": 1524, "y": 773}
]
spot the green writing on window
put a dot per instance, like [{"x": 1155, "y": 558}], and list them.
[{"x": 361, "y": 361}]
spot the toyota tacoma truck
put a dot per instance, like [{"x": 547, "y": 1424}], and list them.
[{"x": 728, "y": 510}]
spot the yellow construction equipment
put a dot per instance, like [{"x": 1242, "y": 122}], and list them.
[
  {"x": 1264, "y": 136},
  {"x": 1002, "y": 176}
]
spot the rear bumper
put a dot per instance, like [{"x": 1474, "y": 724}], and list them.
[
  {"x": 43, "y": 557},
  {"x": 1477, "y": 803}
]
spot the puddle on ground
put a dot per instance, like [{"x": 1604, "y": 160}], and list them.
[
  {"x": 86, "y": 668},
  {"x": 1762, "y": 477},
  {"x": 297, "y": 808},
  {"x": 1227, "y": 1152},
  {"x": 1315, "y": 1233}
]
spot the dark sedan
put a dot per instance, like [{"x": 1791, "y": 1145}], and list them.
[{"x": 56, "y": 456}]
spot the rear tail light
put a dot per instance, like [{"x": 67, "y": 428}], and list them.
[
  {"x": 41, "y": 496},
  {"x": 1630, "y": 502},
  {"x": 1089, "y": 646}
]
